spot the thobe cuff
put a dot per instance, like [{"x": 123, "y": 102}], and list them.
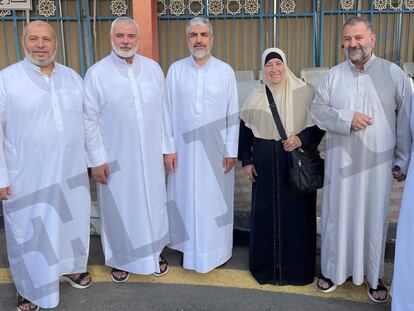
[
  {"x": 4, "y": 178},
  {"x": 96, "y": 157},
  {"x": 168, "y": 145},
  {"x": 402, "y": 164},
  {"x": 231, "y": 150},
  {"x": 246, "y": 162},
  {"x": 345, "y": 118}
]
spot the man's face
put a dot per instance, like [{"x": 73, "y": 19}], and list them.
[
  {"x": 274, "y": 71},
  {"x": 39, "y": 44},
  {"x": 358, "y": 43},
  {"x": 125, "y": 39},
  {"x": 200, "y": 41}
]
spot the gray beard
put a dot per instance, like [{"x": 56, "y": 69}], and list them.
[
  {"x": 356, "y": 56},
  {"x": 39, "y": 63},
  {"x": 198, "y": 54}
]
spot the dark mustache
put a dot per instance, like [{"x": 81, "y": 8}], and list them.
[{"x": 354, "y": 49}]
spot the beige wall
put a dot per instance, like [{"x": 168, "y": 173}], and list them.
[
  {"x": 237, "y": 40},
  {"x": 69, "y": 40}
]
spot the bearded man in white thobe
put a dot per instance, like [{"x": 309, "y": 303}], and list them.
[
  {"x": 202, "y": 99},
  {"x": 43, "y": 174},
  {"x": 124, "y": 122},
  {"x": 364, "y": 104}
]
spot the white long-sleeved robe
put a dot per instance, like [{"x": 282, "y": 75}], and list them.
[
  {"x": 358, "y": 164},
  {"x": 124, "y": 123},
  {"x": 205, "y": 125},
  {"x": 43, "y": 161},
  {"x": 402, "y": 296}
]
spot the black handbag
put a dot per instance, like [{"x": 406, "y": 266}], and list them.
[{"x": 306, "y": 167}]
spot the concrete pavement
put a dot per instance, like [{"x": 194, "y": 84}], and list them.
[{"x": 228, "y": 288}]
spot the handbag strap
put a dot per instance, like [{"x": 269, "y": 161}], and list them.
[{"x": 275, "y": 114}]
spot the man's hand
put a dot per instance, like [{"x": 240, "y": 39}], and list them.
[
  {"x": 397, "y": 174},
  {"x": 291, "y": 143},
  {"x": 170, "y": 160},
  {"x": 228, "y": 164},
  {"x": 360, "y": 121},
  {"x": 100, "y": 173},
  {"x": 251, "y": 173},
  {"x": 4, "y": 193}
]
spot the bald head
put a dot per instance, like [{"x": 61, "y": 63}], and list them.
[
  {"x": 39, "y": 42},
  {"x": 39, "y": 24}
]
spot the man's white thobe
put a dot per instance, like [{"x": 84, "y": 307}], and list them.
[
  {"x": 402, "y": 282},
  {"x": 205, "y": 125},
  {"x": 358, "y": 164},
  {"x": 43, "y": 161},
  {"x": 124, "y": 127}
]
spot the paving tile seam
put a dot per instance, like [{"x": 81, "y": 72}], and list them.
[{"x": 222, "y": 277}]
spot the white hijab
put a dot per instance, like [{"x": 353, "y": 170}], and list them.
[{"x": 293, "y": 98}]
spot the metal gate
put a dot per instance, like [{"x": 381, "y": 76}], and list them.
[
  {"x": 309, "y": 31},
  {"x": 82, "y": 28}
]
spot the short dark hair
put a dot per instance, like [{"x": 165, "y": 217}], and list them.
[{"x": 358, "y": 19}]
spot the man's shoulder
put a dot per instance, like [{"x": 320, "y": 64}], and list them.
[
  {"x": 180, "y": 63},
  {"x": 381, "y": 60},
  {"x": 67, "y": 70},
  {"x": 339, "y": 68},
  {"x": 11, "y": 69},
  {"x": 101, "y": 64},
  {"x": 222, "y": 65},
  {"x": 178, "y": 67},
  {"x": 148, "y": 61},
  {"x": 384, "y": 63}
]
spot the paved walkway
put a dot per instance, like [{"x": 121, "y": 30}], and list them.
[{"x": 228, "y": 288}]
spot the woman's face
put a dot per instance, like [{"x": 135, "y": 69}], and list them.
[{"x": 274, "y": 71}]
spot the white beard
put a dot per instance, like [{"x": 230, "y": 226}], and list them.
[
  {"x": 40, "y": 63},
  {"x": 124, "y": 54}
]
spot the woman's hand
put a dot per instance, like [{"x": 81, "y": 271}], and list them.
[
  {"x": 291, "y": 143},
  {"x": 251, "y": 173}
]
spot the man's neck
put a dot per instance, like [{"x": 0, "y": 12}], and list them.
[
  {"x": 48, "y": 69},
  {"x": 129, "y": 60},
  {"x": 361, "y": 65},
  {"x": 201, "y": 61}
]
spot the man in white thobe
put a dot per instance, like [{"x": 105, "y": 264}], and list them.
[
  {"x": 364, "y": 104},
  {"x": 124, "y": 129},
  {"x": 202, "y": 98},
  {"x": 402, "y": 296},
  {"x": 43, "y": 174}
]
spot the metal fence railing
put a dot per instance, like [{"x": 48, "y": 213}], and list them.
[
  {"x": 81, "y": 26},
  {"x": 310, "y": 32}
]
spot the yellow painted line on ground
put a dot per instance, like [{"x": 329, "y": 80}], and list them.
[{"x": 220, "y": 278}]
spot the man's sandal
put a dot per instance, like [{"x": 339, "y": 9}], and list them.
[
  {"x": 164, "y": 267},
  {"x": 380, "y": 287},
  {"x": 77, "y": 283},
  {"x": 119, "y": 279},
  {"x": 331, "y": 286},
  {"x": 23, "y": 301}
]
